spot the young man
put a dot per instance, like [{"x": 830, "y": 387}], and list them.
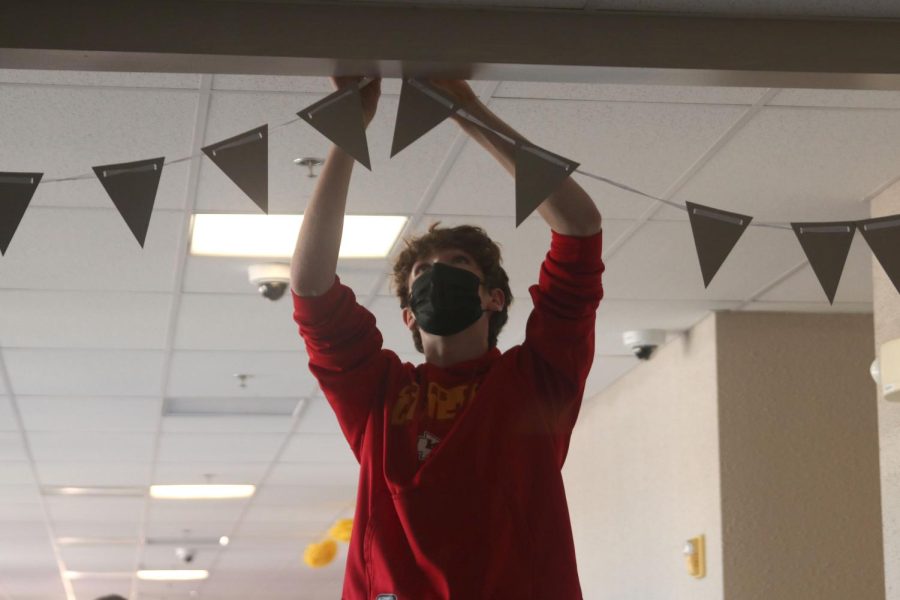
[{"x": 460, "y": 491}]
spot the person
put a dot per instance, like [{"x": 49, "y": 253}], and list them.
[{"x": 460, "y": 490}]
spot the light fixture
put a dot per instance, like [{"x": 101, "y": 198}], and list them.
[
  {"x": 114, "y": 491},
  {"x": 173, "y": 575},
  {"x": 201, "y": 492},
  {"x": 224, "y": 540},
  {"x": 364, "y": 236}
]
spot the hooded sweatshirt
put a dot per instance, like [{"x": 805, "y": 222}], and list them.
[{"x": 460, "y": 490}]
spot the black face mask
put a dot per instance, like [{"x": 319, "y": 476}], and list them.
[{"x": 445, "y": 299}]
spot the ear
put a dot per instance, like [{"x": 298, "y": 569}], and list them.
[
  {"x": 497, "y": 300},
  {"x": 409, "y": 319}
]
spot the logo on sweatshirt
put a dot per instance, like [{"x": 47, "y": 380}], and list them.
[
  {"x": 427, "y": 442},
  {"x": 386, "y": 597}
]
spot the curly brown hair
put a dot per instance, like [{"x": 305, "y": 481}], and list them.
[{"x": 470, "y": 239}]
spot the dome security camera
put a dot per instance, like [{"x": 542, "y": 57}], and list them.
[
  {"x": 271, "y": 279},
  {"x": 644, "y": 342},
  {"x": 185, "y": 555}
]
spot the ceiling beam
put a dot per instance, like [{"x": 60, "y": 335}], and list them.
[{"x": 290, "y": 38}]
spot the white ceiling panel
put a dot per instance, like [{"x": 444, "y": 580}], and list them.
[
  {"x": 389, "y": 320},
  {"x": 86, "y": 447},
  {"x": 305, "y": 495},
  {"x": 628, "y": 93},
  {"x": 90, "y": 414},
  {"x": 207, "y": 529},
  {"x": 20, "y": 511},
  {"x": 192, "y": 470},
  {"x": 307, "y": 473},
  {"x": 118, "y": 557},
  {"x": 8, "y": 420},
  {"x": 100, "y": 78},
  {"x": 792, "y": 164},
  {"x": 757, "y": 8},
  {"x": 236, "y": 322},
  {"x": 111, "y": 473},
  {"x": 19, "y": 473},
  {"x": 855, "y": 285},
  {"x": 318, "y": 417},
  {"x": 645, "y": 146},
  {"x": 90, "y": 320},
  {"x": 65, "y": 131},
  {"x": 227, "y": 424},
  {"x": 84, "y": 372},
  {"x": 90, "y": 508},
  {"x": 208, "y": 447},
  {"x": 34, "y": 583},
  {"x": 18, "y": 493},
  {"x": 605, "y": 371},
  {"x": 212, "y": 374},
  {"x": 318, "y": 447},
  {"x": 660, "y": 261},
  {"x": 163, "y": 556},
  {"x": 293, "y": 84},
  {"x": 186, "y": 512},
  {"x": 99, "y": 587},
  {"x": 818, "y": 307},
  {"x": 91, "y": 249},
  {"x": 313, "y": 519},
  {"x": 838, "y": 98},
  {"x": 11, "y": 448}
]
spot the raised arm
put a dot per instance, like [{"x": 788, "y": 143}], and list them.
[
  {"x": 314, "y": 263},
  {"x": 569, "y": 210}
]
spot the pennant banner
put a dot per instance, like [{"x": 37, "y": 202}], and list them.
[
  {"x": 339, "y": 117},
  {"x": 538, "y": 174},
  {"x": 16, "y": 191},
  {"x": 883, "y": 236},
  {"x": 132, "y": 187},
  {"x": 244, "y": 158},
  {"x": 715, "y": 234},
  {"x": 826, "y": 246},
  {"x": 422, "y": 107}
]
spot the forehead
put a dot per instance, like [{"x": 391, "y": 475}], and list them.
[{"x": 441, "y": 254}]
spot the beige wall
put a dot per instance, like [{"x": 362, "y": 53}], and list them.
[
  {"x": 757, "y": 429},
  {"x": 799, "y": 457},
  {"x": 887, "y": 327},
  {"x": 642, "y": 476}
]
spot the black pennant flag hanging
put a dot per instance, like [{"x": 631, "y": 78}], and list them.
[
  {"x": 132, "y": 187},
  {"x": 538, "y": 174},
  {"x": 245, "y": 159},
  {"x": 883, "y": 236},
  {"x": 422, "y": 106},
  {"x": 339, "y": 117},
  {"x": 715, "y": 234},
  {"x": 16, "y": 190},
  {"x": 826, "y": 246}
]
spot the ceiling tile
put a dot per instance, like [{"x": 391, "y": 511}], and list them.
[
  {"x": 77, "y": 446},
  {"x": 318, "y": 417},
  {"x": 19, "y": 473},
  {"x": 185, "y": 512},
  {"x": 305, "y": 495},
  {"x": 11, "y": 448},
  {"x": 84, "y": 372},
  {"x": 209, "y": 529},
  {"x": 90, "y": 319},
  {"x": 8, "y": 420},
  {"x": 65, "y": 131},
  {"x": 18, "y": 512},
  {"x": 227, "y": 424},
  {"x": 792, "y": 164},
  {"x": 212, "y": 374},
  {"x": 86, "y": 474},
  {"x": 318, "y": 447},
  {"x": 645, "y": 146},
  {"x": 289, "y": 83},
  {"x": 628, "y": 93},
  {"x": 100, "y": 78},
  {"x": 236, "y": 322},
  {"x": 394, "y": 186},
  {"x": 91, "y": 250},
  {"x": 838, "y": 98},
  {"x": 96, "y": 527},
  {"x": 207, "y": 447},
  {"x": 97, "y": 588},
  {"x": 309, "y": 474},
  {"x": 90, "y": 414},
  {"x": 315, "y": 518},
  {"x": 192, "y": 469},
  {"x": 660, "y": 261},
  {"x": 100, "y": 558},
  {"x": 605, "y": 371},
  {"x": 34, "y": 583},
  {"x": 18, "y": 493},
  {"x": 820, "y": 307},
  {"x": 86, "y": 508}
]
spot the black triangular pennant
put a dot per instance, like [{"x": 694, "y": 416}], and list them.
[
  {"x": 132, "y": 188},
  {"x": 826, "y": 246},
  {"x": 339, "y": 117},
  {"x": 883, "y": 236},
  {"x": 422, "y": 107},
  {"x": 16, "y": 191},
  {"x": 538, "y": 174},
  {"x": 244, "y": 158},
  {"x": 715, "y": 234}
]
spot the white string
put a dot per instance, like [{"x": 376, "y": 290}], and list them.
[{"x": 471, "y": 118}]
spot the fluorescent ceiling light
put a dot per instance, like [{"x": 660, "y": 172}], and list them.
[
  {"x": 173, "y": 575},
  {"x": 93, "y": 491},
  {"x": 201, "y": 492},
  {"x": 276, "y": 235}
]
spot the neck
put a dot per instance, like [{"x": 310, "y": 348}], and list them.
[{"x": 446, "y": 351}]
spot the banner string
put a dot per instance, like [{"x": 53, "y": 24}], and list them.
[{"x": 464, "y": 114}]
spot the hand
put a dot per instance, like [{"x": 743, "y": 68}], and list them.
[
  {"x": 368, "y": 94},
  {"x": 458, "y": 89}
]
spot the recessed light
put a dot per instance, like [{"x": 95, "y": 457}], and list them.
[
  {"x": 364, "y": 236},
  {"x": 201, "y": 492},
  {"x": 93, "y": 491},
  {"x": 224, "y": 540},
  {"x": 173, "y": 575}
]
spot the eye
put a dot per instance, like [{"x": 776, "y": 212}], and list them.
[{"x": 461, "y": 258}]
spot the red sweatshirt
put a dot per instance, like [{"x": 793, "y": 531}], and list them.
[{"x": 483, "y": 515}]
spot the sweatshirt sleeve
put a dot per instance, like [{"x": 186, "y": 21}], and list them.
[
  {"x": 345, "y": 356},
  {"x": 558, "y": 350}
]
